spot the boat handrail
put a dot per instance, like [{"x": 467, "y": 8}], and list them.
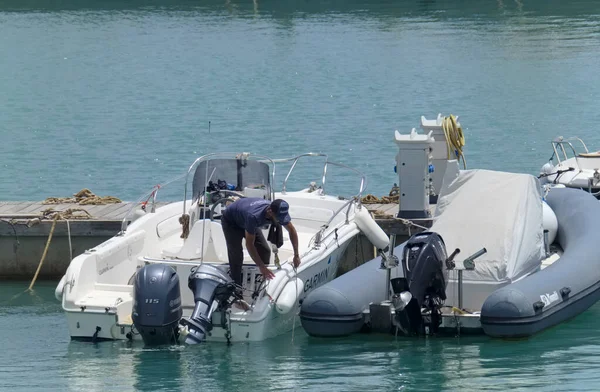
[
  {"x": 363, "y": 178},
  {"x": 152, "y": 194},
  {"x": 561, "y": 141},
  {"x": 295, "y": 159},
  {"x": 318, "y": 238},
  {"x": 147, "y": 196}
]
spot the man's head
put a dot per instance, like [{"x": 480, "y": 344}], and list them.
[{"x": 279, "y": 211}]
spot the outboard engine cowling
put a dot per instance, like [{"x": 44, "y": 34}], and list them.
[
  {"x": 213, "y": 290},
  {"x": 419, "y": 296},
  {"x": 157, "y": 304}
]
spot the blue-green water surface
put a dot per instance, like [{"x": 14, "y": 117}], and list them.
[
  {"x": 38, "y": 355},
  {"x": 116, "y": 96}
]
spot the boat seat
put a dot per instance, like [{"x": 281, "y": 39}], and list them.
[
  {"x": 192, "y": 246},
  {"x": 595, "y": 154},
  {"x": 98, "y": 299}
]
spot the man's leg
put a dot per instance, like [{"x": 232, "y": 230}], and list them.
[
  {"x": 263, "y": 247},
  {"x": 235, "y": 252}
]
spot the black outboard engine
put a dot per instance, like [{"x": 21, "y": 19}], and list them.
[
  {"x": 213, "y": 290},
  {"x": 157, "y": 304},
  {"x": 419, "y": 296}
]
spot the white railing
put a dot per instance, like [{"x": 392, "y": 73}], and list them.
[
  {"x": 146, "y": 197},
  {"x": 363, "y": 181},
  {"x": 151, "y": 196},
  {"x": 560, "y": 142}
]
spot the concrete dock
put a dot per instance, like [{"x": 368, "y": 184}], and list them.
[{"x": 25, "y": 227}]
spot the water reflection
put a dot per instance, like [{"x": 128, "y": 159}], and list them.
[
  {"x": 566, "y": 355},
  {"x": 155, "y": 369},
  {"x": 285, "y": 9},
  {"x": 97, "y": 366}
]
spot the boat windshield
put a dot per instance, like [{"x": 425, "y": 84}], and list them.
[{"x": 230, "y": 174}]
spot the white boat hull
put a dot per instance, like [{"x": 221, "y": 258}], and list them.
[
  {"x": 108, "y": 325},
  {"x": 97, "y": 291}
]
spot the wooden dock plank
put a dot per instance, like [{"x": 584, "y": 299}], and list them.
[
  {"x": 117, "y": 211},
  {"x": 120, "y": 212},
  {"x": 7, "y": 206},
  {"x": 383, "y": 209},
  {"x": 108, "y": 211},
  {"x": 92, "y": 209},
  {"x": 389, "y": 209},
  {"x": 34, "y": 208},
  {"x": 4, "y": 207},
  {"x": 16, "y": 207}
]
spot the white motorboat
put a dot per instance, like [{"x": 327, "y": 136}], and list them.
[
  {"x": 574, "y": 167},
  {"x": 165, "y": 278}
]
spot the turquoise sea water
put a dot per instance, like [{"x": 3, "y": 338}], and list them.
[
  {"x": 117, "y": 96},
  {"x": 38, "y": 355}
]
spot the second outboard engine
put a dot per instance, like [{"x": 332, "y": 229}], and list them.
[
  {"x": 157, "y": 304},
  {"x": 419, "y": 296},
  {"x": 213, "y": 290}
]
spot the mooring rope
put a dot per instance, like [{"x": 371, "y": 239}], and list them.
[
  {"x": 185, "y": 222},
  {"x": 372, "y": 199},
  {"x": 45, "y": 251},
  {"x": 295, "y": 302},
  {"x": 83, "y": 197},
  {"x": 70, "y": 213}
]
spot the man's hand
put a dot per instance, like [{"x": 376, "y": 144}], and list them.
[
  {"x": 267, "y": 273},
  {"x": 296, "y": 261}
]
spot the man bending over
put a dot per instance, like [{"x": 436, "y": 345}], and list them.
[{"x": 244, "y": 219}]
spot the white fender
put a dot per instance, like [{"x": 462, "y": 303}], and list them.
[
  {"x": 289, "y": 295},
  {"x": 549, "y": 222},
  {"x": 371, "y": 229},
  {"x": 547, "y": 169},
  {"x": 58, "y": 292}
]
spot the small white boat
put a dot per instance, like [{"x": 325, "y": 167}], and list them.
[
  {"x": 574, "y": 167},
  {"x": 159, "y": 283}
]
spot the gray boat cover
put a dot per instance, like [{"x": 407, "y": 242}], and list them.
[{"x": 499, "y": 211}]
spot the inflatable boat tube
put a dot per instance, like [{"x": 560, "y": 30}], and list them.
[
  {"x": 549, "y": 222},
  {"x": 336, "y": 308},
  {"x": 562, "y": 290}
]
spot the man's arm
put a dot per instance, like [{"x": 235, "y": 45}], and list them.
[
  {"x": 294, "y": 239},
  {"x": 256, "y": 257}
]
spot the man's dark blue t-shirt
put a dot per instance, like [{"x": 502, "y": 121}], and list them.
[{"x": 248, "y": 213}]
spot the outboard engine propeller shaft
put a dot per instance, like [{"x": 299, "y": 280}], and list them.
[
  {"x": 157, "y": 304},
  {"x": 213, "y": 290},
  {"x": 419, "y": 296}
]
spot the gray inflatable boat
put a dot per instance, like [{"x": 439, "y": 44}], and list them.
[
  {"x": 562, "y": 290},
  {"x": 519, "y": 301}
]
